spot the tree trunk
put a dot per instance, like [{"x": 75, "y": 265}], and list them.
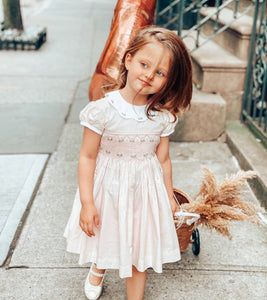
[{"x": 12, "y": 15}]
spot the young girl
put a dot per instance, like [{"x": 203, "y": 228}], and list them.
[{"x": 122, "y": 216}]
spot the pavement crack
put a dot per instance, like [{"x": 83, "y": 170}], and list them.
[
  {"x": 255, "y": 271},
  {"x": 18, "y": 267}
]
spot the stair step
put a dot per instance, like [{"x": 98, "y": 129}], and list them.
[
  {"x": 236, "y": 38},
  {"x": 251, "y": 155},
  {"x": 215, "y": 70},
  {"x": 204, "y": 122}
]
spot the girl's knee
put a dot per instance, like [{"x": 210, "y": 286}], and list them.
[{"x": 134, "y": 269}]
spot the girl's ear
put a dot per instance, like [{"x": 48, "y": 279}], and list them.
[{"x": 128, "y": 60}]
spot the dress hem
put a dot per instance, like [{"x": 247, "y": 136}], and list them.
[{"x": 126, "y": 271}]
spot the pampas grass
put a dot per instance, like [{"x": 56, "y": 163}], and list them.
[{"x": 220, "y": 204}]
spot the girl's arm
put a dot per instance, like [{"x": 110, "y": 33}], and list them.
[
  {"x": 165, "y": 161},
  {"x": 86, "y": 170}
]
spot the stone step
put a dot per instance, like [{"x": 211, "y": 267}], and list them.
[
  {"x": 236, "y": 38},
  {"x": 216, "y": 70},
  {"x": 204, "y": 122},
  {"x": 251, "y": 155}
]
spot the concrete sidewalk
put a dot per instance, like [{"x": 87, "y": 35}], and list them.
[
  {"x": 53, "y": 83},
  {"x": 36, "y": 93}
]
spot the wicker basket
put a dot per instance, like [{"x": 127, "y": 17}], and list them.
[{"x": 184, "y": 232}]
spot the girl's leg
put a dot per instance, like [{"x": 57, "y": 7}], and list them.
[
  {"x": 135, "y": 285},
  {"x": 95, "y": 280}
]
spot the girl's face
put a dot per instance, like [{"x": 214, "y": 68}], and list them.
[{"x": 147, "y": 68}]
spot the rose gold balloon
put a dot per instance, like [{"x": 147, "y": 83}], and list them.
[{"x": 129, "y": 16}]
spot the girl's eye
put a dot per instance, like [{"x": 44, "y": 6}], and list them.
[
  {"x": 144, "y": 64},
  {"x": 160, "y": 73}
]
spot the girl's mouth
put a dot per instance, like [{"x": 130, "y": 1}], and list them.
[{"x": 145, "y": 82}]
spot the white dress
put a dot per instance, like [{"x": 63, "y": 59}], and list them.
[{"x": 136, "y": 223}]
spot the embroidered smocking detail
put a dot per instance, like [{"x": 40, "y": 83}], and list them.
[{"x": 129, "y": 147}]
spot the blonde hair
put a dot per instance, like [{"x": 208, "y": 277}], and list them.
[{"x": 176, "y": 93}]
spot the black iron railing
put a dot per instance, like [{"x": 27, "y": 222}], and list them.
[
  {"x": 254, "y": 111},
  {"x": 189, "y": 16}
]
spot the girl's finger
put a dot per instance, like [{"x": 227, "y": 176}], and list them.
[
  {"x": 82, "y": 227},
  {"x": 90, "y": 228},
  {"x": 175, "y": 217},
  {"x": 87, "y": 229},
  {"x": 96, "y": 221},
  {"x": 88, "y": 232}
]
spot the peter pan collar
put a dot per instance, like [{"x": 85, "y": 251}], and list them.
[{"x": 125, "y": 109}]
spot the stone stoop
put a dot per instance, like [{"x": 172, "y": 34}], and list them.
[
  {"x": 219, "y": 72},
  {"x": 236, "y": 38},
  {"x": 205, "y": 120},
  {"x": 215, "y": 70},
  {"x": 220, "y": 65}
]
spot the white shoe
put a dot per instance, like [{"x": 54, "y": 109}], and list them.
[{"x": 93, "y": 292}]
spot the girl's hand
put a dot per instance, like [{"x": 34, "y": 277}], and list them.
[
  {"x": 174, "y": 207},
  {"x": 88, "y": 218}
]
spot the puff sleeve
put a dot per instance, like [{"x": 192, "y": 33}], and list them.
[
  {"x": 92, "y": 116},
  {"x": 168, "y": 124}
]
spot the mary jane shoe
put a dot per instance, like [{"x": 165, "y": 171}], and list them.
[{"x": 93, "y": 292}]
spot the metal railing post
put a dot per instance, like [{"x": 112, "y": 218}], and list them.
[
  {"x": 236, "y": 8},
  {"x": 199, "y": 5},
  {"x": 264, "y": 68},
  {"x": 215, "y": 28},
  {"x": 181, "y": 17},
  {"x": 250, "y": 56}
]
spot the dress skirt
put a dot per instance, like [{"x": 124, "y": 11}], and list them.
[{"x": 136, "y": 223}]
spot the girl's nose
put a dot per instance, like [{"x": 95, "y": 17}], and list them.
[{"x": 149, "y": 75}]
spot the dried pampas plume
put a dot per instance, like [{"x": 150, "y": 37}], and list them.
[{"x": 220, "y": 204}]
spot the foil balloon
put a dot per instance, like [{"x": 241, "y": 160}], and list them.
[{"x": 129, "y": 16}]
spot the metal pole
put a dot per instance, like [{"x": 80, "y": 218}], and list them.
[
  {"x": 181, "y": 17},
  {"x": 199, "y": 5},
  {"x": 250, "y": 56},
  {"x": 215, "y": 27},
  {"x": 263, "y": 90},
  {"x": 236, "y": 8}
]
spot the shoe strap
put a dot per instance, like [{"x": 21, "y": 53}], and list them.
[{"x": 97, "y": 274}]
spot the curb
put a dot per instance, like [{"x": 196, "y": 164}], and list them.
[
  {"x": 250, "y": 155},
  {"x": 12, "y": 223}
]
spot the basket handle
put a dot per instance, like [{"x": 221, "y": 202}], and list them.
[
  {"x": 177, "y": 202},
  {"x": 183, "y": 214},
  {"x": 262, "y": 218}
]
